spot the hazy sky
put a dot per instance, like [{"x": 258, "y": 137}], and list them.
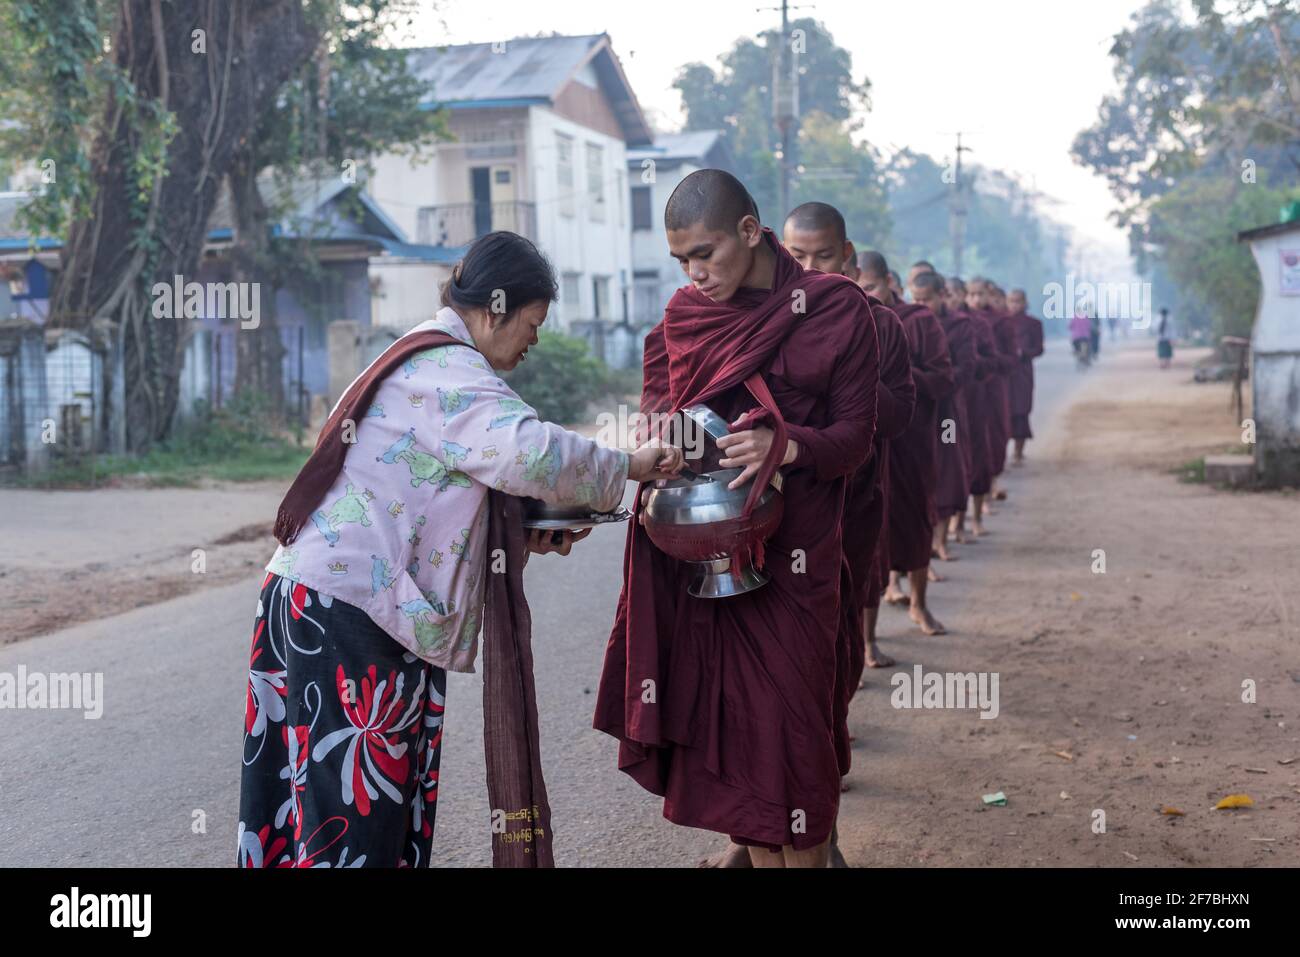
[{"x": 1020, "y": 77}]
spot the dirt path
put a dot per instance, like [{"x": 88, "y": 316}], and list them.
[
  {"x": 1119, "y": 692},
  {"x": 71, "y": 557}
]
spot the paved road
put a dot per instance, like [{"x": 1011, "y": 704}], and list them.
[{"x": 128, "y": 789}]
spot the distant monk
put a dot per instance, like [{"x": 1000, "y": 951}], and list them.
[
  {"x": 1004, "y": 334},
  {"x": 979, "y": 406},
  {"x": 954, "y": 425},
  {"x": 726, "y": 707},
  {"x": 1029, "y": 346},
  {"x": 815, "y": 234},
  {"x": 919, "y": 267},
  {"x": 896, "y": 285},
  {"x": 913, "y": 458}
]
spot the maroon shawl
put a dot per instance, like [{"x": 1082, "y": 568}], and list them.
[{"x": 521, "y": 824}]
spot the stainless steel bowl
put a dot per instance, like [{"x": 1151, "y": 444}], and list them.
[{"x": 684, "y": 514}]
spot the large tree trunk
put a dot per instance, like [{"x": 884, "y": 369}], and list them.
[
  {"x": 112, "y": 259},
  {"x": 259, "y": 353}
]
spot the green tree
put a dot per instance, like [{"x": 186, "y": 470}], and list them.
[
  {"x": 737, "y": 98},
  {"x": 354, "y": 99}
]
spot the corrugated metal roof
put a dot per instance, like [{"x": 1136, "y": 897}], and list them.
[
  {"x": 690, "y": 144},
  {"x": 524, "y": 68}
]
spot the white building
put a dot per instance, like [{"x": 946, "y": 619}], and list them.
[
  {"x": 654, "y": 172},
  {"x": 542, "y": 126},
  {"x": 1275, "y": 353}
]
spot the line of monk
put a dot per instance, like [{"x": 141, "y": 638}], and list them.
[{"x": 895, "y": 413}]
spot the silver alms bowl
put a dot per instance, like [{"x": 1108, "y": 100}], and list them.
[{"x": 699, "y": 521}]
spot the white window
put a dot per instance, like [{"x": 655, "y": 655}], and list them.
[
  {"x": 595, "y": 183},
  {"x": 564, "y": 172},
  {"x": 571, "y": 294},
  {"x": 600, "y": 296}
]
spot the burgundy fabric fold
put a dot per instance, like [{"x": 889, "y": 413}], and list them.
[
  {"x": 955, "y": 458},
  {"x": 521, "y": 814},
  {"x": 914, "y": 456}
]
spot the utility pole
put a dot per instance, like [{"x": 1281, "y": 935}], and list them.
[
  {"x": 957, "y": 210},
  {"x": 785, "y": 104}
]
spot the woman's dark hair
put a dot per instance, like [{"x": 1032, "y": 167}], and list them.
[{"x": 502, "y": 272}]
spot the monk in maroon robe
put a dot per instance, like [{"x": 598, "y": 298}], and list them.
[
  {"x": 815, "y": 234},
  {"x": 726, "y": 707},
  {"x": 1004, "y": 331},
  {"x": 1029, "y": 346},
  {"x": 983, "y": 405},
  {"x": 954, "y": 426},
  {"x": 913, "y": 457}
]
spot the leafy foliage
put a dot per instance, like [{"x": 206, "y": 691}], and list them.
[{"x": 561, "y": 378}]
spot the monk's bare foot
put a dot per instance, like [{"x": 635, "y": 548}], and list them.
[
  {"x": 932, "y": 575},
  {"x": 959, "y": 536},
  {"x": 928, "y": 623},
  {"x": 736, "y": 855},
  {"x": 895, "y": 597},
  {"x": 1000, "y": 495},
  {"x": 876, "y": 659},
  {"x": 943, "y": 554},
  {"x": 845, "y": 785},
  {"x": 977, "y": 531}
]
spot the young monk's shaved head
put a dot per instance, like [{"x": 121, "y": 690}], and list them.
[
  {"x": 1017, "y": 301},
  {"x": 818, "y": 218},
  {"x": 917, "y": 268},
  {"x": 714, "y": 233},
  {"x": 711, "y": 197},
  {"x": 928, "y": 291},
  {"x": 815, "y": 235},
  {"x": 874, "y": 278}
]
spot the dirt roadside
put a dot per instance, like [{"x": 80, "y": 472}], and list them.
[
  {"x": 69, "y": 557},
  {"x": 1119, "y": 692}
]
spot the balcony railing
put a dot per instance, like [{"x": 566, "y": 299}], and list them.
[{"x": 458, "y": 224}]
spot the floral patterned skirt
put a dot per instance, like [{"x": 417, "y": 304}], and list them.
[{"x": 342, "y": 739}]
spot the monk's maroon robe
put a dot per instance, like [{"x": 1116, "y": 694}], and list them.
[
  {"x": 727, "y": 707},
  {"x": 1004, "y": 334},
  {"x": 913, "y": 457},
  {"x": 866, "y": 552},
  {"x": 979, "y": 404},
  {"x": 1029, "y": 346},
  {"x": 865, "y": 539},
  {"x": 955, "y": 458}
]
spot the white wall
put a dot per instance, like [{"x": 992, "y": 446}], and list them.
[
  {"x": 405, "y": 293},
  {"x": 577, "y": 244},
  {"x": 650, "y": 247}
]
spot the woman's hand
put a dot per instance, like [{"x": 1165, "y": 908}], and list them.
[
  {"x": 655, "y": 460},
  {"x": 749, "y": 449},
  {"x": 540, "y": 543}
]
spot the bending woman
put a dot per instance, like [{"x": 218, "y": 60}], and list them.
[{"x": 405, "y": 518}]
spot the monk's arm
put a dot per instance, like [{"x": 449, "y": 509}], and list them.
[
  {"x": 1034, "y": 347},
  {"x": 934, "y": 377},
  {"x": 845, "y": 443},
  {"x": 896, "y": 393},
  {"x": 961, "y": 349},
  {"x": 986, "y": 361}
]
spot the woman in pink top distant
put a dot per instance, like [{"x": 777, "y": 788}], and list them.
[
  {"x": 380, "y": 589},
  {"x": 1081, "y": 337}
]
